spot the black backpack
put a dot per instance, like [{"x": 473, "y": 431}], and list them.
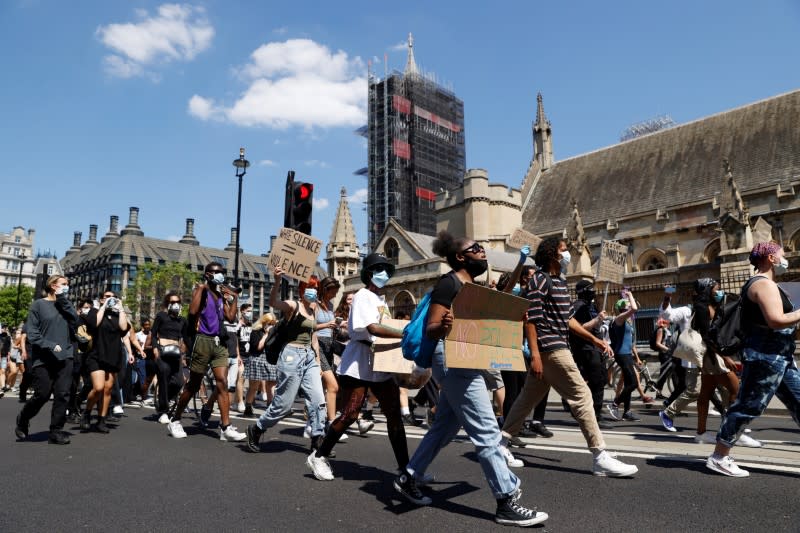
[
  {"x": 653, "y": 336},
  {"x": 726, "y": 332}
]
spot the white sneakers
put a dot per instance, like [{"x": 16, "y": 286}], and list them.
[
  {"x": 607, "y": 466},
  {"x": 231, "y": 434},
  {"x": 725, "y": 466},
  {"x": 320, "y": 467},
  {"x": 176, "y": 429},
  {"x": 117, "y": 410},
  {"x": 364, "y": 425},
  {"x": 709, "y": 437},
  {"x": 511, "y": 461},
  {"x": 748, "y": 442},
  {"x": 163, "y": 419},
  {"x": 238, "y": 408}
]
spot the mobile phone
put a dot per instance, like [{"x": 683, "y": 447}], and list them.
[{"x": 338, "y": 321}]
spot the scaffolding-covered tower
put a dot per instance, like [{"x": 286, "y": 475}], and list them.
[{"x": 415, "y": 135}]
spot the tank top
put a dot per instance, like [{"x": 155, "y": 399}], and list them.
[
  {"x": 211, "y": 316},
  {"x": 300, "y": 328},
  {"x": 322, "y": 317}
]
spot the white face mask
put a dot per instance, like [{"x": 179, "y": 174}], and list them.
[
  {"x": 781, "y": 266},
  {"x": 565, "y": 259}
]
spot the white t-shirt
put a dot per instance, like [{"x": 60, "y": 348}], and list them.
[
  {"x": 682, "y": 318},
  {"x": 367, "y": 308},
  {"x": 141, "y": 336}
]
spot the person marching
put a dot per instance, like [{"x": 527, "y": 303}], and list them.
[
  {"x": 168, "y": 339},
  {"x": 356, "y": 374}
]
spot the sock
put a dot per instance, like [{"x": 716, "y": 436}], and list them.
[
  {"x": 403, "y": 411},
  {"x": 224, "y": 427},
  {"x": 597, "y": 452}
]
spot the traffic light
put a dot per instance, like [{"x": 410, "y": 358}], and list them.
[{"x": 302, "y": 194}]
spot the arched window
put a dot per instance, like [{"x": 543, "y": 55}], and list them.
[
  {"x": 404, "y": 304},
  {"x": 391, "y": 250},
  {"x": 652, "y": 259},
  {"x": 711, "y": 252}
]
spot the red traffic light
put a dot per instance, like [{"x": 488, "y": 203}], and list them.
[{"x": 304, "y": 191}]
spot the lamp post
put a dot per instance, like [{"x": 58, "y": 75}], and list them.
[
  {"x": 19, "y": 288},
  {"x": 241, "y": 165}
]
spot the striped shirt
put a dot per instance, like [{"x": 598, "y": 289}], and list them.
[{"x": 549, "y": 312}]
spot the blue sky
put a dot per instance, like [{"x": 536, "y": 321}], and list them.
[{"x": 107, "y": 105}]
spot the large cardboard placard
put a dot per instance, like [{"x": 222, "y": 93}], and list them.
[
  {"x": 611, "y": 266},
  {"x": 520, "y": 238},
  {"x": 487, "y": 330},
  {"x": 296, "y": 253},
  {"x": 387, "y": 355}
]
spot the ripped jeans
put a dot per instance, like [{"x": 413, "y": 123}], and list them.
[{"x": 297, "y": 368}]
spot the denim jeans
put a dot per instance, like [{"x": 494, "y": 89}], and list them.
[
  {"x": 464, "y": 402},
  {"x": 297, "y": 368},
  {"x": 763, "y": 376}
]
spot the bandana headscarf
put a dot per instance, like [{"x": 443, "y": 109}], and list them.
[{"x": 762, "y": 250}]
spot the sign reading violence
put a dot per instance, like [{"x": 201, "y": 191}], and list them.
[
  {"x": 296, "y": 253},
  {"x": 521, "y": 238},
  {"x": 487, "y": 330},
  {"x": 611, "y": 266}
]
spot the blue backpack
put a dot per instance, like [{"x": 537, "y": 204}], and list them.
[{"x": 416, "y": 345}]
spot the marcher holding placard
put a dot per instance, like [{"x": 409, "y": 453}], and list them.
[
  {"x": 356, "y": 374},
  {"x": 548, "y": 325},
  {"x": 463, "y": 401}
]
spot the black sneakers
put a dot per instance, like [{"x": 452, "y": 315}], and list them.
[
  {"x": 406, "y": 485},
  {"x": 21, "y": 431},
  {"x": 86, "y": 421},
  {"x": 101, "y": 426},
  {"x": 58, "y": 437},
  {"x": 511, "y": 513},
  {"x": 254, "y": 438},
  {"x": 248, "y": 411},
  {"x": 411, "y": 420}
]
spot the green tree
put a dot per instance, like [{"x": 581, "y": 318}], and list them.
[
  {"x": 144, "y": 295},
  {"x": 8, "y": 303}
]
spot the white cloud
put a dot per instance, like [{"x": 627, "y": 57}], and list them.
[
  {"x": 320, "y": 203},
  {"x": 316, "y": 163},
  {"x": 177, "y": 32},
  {"x": 402, "y": 46},
  {"x": 297, "y": 82},
  {"x": 204, "y": 108},
  {"x": 360, "y": 196},
  {"x": 267, "y": 163}
]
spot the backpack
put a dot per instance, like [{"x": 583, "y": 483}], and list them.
[
  {"x": 653, "y": 337},
  {"x": 278, "y": 337},
  {"x": 726, "y": 333},
  {"x": 416, "y": 345}
]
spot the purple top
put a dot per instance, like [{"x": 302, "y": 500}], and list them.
[{"x": 211, "y": 315}]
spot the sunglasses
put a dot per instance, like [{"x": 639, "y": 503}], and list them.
[
  {"x": 474, "y": 249},
  {"x": 108, "y": 296},
  {"x": 175, "y": 301}
]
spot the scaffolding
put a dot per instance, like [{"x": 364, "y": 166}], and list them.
[{"x": 645, "y": 127}]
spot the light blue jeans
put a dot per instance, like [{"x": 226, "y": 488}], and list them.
[
  {"x": 297, "y": 368},
  {"x": 464, "y": 402}
]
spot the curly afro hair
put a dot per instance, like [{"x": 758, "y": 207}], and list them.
[{"x": 547, "y": 251}]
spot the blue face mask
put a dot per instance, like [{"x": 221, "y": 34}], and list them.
[
  {"x": 218, "y": 278},
  {"x": 516, "y": 290},
  {"x": 380, "y": 278},
  {"x": 719, "y": 295},
  {"x": 310, "y": 295}
]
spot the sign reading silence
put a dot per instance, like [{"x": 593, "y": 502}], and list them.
[
  {"x": 296, "y": 253},
  {"x": 611, "y": 266},
  {"x": 487, "y": 330},
  {"x": 521, "y": 238}
]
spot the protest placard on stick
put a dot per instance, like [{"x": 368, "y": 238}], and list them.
[{"x": 296, "y": 253}]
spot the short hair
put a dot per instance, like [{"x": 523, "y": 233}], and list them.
[
  {"x": 244, "y": 306},
  {"x": 762, "y": 250},
  {"x": 547, "y": 251},
  {"x": 53, "y": 279},
  {"x": 85, "y": 301},
  {"x": 169, "y": 295},
  {"x": 312, "y": 283},
  {"x": 213, "y": 264}
]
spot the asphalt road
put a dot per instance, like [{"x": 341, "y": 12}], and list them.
[{"x": 139, "y": 479}]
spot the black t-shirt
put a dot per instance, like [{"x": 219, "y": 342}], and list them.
[
  {"x": 255, "y": 338},
  {"x": 232, "y": 338},
  {"x": 583, "y": 313},
  {"x": 167, "y": 326},
  {"x": 446, "y": 289},
  {"x": 107, "y": 345}
]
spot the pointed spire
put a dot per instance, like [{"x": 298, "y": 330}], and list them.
[
  {"x": 343, "y": 230},
  {"x": 541, "y": 119},
  {"x": 542, "y": 141},
  {"x": 411, "y": 64}
]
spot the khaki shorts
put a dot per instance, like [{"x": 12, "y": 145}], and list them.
[{"x": 207, "y": 352}]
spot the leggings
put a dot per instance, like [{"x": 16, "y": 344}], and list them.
[
  {"x": 625, "y": 362},
  {"x": 352, "y": 392}
]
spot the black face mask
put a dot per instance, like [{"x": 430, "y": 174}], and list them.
[
  {"x": 475, "y": 267},
  {"x": 588, "y": 296}
]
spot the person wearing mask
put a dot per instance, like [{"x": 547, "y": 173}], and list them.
[
  {"x": 245, "y": 328},
  {"x": 298, "y": 365},
  {"x": 325, "y": 325},
  {"x": 212, "y": 303},
  {"x": 549, "y": 322},
  {"x": 107, "y": 326},
  {"x": 587, "y": 356},
  {"x": 235, "y": 367},
  {"x": 167, "y": 342},
  {"x": 257, "y": 370},
  {"x": 355, "y": 371},
  {"x": 49, "y": 328},
  {"x": 84, "y": 346},
  {"x": 663, "y": 345},
  {"x": 463, "y": 401},
  {"x": 27, "y": 373},
  {"x": 623, "y": 343},
  {"x": 768, "y": 366}
]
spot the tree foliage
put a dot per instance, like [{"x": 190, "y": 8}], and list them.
[
  {"x": 143, "y": 297},
  {"x": 8, "y": 302}
]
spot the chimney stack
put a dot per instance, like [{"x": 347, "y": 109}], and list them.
[
  {"x": 113, "y": 229},
  {"x": 133, "y": 223},
  {"x": 92, "y": 240},
  {"x": 272, "y": 239},
  {"x": 232, "y": 245},
  {"x": 76, "y": 243},
  {"x": 189, "y": 237}
]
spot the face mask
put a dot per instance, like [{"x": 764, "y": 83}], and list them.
[
  {"x": 781, "y": 267},
  {"x": 719, "y": 295},
  {"x": 218, "y": 279},
  {"x": 380, "y": 278},
  {"x": 564, "y": 261},
  {"x": 85, "y": 311},
  {"x": 588, "y": 296},
  {"x": 174, "y": 308},
  {"x": 248, "y": 316},
  {"x": 310, "y": 295},
  {"x": 516, "y": 290},
  {"x": 475, "y": 267},
  {"x": 63, "y": 290}
]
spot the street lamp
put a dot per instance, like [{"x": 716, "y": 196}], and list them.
[
  {"x": 19, "y": 288},
  {"x": 241, "y": 165}
]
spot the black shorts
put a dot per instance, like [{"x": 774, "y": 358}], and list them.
[{"x": 93, "y": 364}]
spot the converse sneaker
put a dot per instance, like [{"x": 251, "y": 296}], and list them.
[
  {"x": 320, "y": 467},
  {"x": 666, "y": 421},
  {"x": 231, "y": 434},
  {"x": 540, "y": 429},
  {"x": 613, "y": 411},
  {"x": 511, "y": 461},
  {"x": 176, "y": 429},
  {"x": 205, "y": 416},
  {"x": 725, "y": 465},
  {"x": 607, "y": 466},
  {"x": 364, "y": 426},
  {"x": 630, "y": 417},
  {"x": 511, "y": 513},
  {"x": 406, "y": 485},
  {"x": 253, "y": 437},
  {"x": 516, "y": 442},
  {"x": 163, "y": 419},
  {"x": 117, "y": 410},
  {"x": 748, "y": 442},
  {"x": 709, "y": 437}
]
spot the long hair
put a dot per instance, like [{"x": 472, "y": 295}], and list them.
[
  {"x": 547, "y": 252},
  {"x": 267, "y": 319},
  {"x": 343, "y": 309},
  {"x": 312, "y": 283}
]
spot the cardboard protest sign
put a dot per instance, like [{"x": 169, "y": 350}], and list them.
[
  {"x": 296, "y": 253},
  {"x": 487, "y": 330},
  {"x": 520, "y": 238},
  {"x": 387, "y": 355},
  {"x": 611, "y": 266}
]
